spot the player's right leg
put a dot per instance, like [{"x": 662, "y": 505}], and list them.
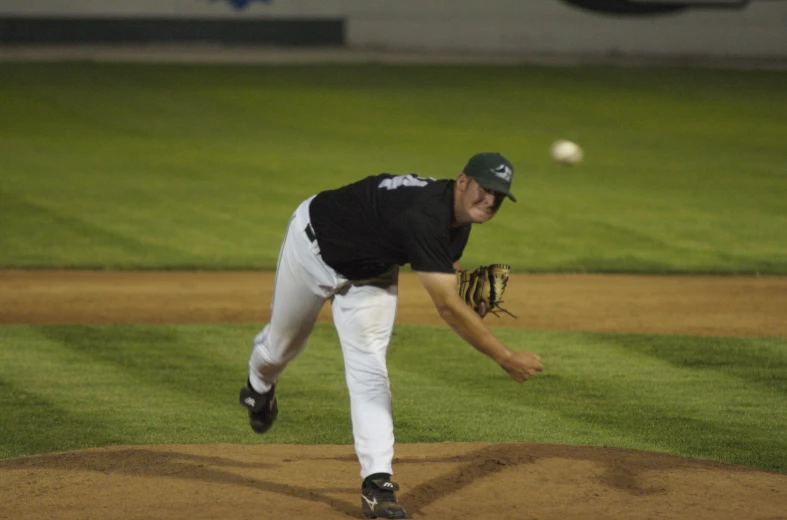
[{"x": 300, "y": 290}]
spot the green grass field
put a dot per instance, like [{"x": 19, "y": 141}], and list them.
[
  {"x": 151, "y": 166},
  {"x": 167, "y": 167},
  {"x": 68, "y": 387}
]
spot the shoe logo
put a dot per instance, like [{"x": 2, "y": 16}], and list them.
[
  {"x": 371, "y": 503},
  {"x": 503, "y": 171},
  {"x": 250, "y": 402},
  {"x": 388, "y": 484}
]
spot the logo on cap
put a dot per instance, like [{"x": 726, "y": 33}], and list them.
[{"x": 503, "y": 171}]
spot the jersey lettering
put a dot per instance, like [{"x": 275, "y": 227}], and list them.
[{"x": 411, "y": 180}]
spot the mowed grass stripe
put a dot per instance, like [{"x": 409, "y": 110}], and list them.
[
  {"x": 168, "y": 384},
  {"x": 161, "y": 384},
  {"x": 36, "y": 221},
  {"x": 38, "y": 422},
  {"x": 756, "y": 361},
  {"x": 596, "y": 391},
  {"x": 144, "y": 387},
  {"x": 203, "y": 165}
]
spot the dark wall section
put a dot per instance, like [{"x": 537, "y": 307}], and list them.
[{"x": 14, "y": 30}]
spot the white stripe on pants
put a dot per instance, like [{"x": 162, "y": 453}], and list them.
[{"x": 363, "y": 313}]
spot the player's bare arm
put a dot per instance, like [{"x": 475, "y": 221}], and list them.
[{"x": 442, "y": 289}]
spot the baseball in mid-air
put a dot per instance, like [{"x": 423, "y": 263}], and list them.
[{"x": 566, "y": 152}]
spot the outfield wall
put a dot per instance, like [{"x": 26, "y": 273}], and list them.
[{"x": 718, "y": 28}]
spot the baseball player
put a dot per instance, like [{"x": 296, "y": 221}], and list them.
[{"x": 346, "y": 246}]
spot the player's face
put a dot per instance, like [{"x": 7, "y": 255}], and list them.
[{"x": 479, "y": 203}]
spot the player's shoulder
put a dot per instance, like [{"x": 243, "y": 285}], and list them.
[{"x": 433, "y": 204}]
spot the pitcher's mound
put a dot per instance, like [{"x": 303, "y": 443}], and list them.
[{"x": 455, "y": 481}]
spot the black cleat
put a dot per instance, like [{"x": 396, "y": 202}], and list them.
[
  {"x": 262, "y": 408},
  {"x": 378, "y": 499}
]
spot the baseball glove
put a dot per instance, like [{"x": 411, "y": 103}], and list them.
[{"x": 484, "y": 285}]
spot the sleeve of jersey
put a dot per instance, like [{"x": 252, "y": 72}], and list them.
[{"x": 428, "y": 246}]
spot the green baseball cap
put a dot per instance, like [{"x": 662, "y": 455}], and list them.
[{"x": 492, "y": 171}]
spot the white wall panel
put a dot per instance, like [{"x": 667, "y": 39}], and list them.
[
  {"x": 550, "y": 26},
  {"x": 541, "y": 26}
]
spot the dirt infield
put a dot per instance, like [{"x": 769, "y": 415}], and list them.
[
  {"x": 451, "y": 480},
  {"x": 719, "y": 306}
]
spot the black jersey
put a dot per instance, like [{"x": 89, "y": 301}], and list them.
[{"x": 365, "y": 228}]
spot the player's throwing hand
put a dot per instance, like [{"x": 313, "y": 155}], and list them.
[{"x": 522, "y": 365}]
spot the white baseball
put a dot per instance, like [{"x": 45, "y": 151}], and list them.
[{"x": 566, "y": 152}]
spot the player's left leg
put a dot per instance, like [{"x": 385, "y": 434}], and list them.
[{"x": 364, "y": 318}]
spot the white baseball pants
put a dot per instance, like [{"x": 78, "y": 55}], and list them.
[{"x": 363, "y": 313}]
